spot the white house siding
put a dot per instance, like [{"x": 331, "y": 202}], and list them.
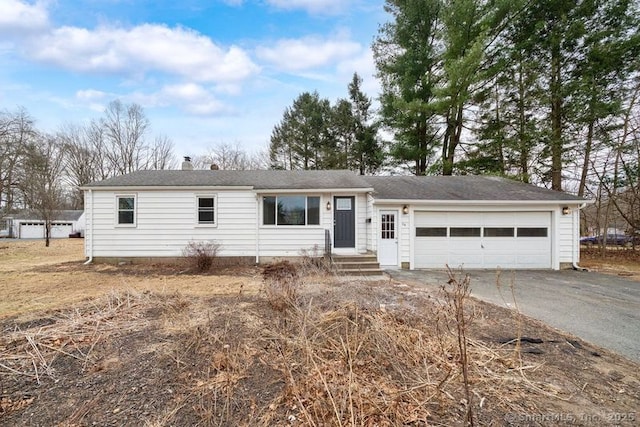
[
  {"x": 361, "y": 223},
  {"x": 371, "y": 228},
  {"x": 166, "y": 222},
  {"x": 88, "y": 223},
  {"x": 291, "y": 241},
  {"x": 568, "y": 236}
]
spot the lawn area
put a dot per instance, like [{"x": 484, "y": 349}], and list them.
[
  {"x": 34, "y": 277},
  {"x": 155, "y": 345}
]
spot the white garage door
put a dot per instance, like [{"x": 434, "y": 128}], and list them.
[
  {"x": 35, "y": 230},
  {"x": 31, "y": 230},
  {"x": 507, "y": 240},
  {"x": 61, "y": 230}
]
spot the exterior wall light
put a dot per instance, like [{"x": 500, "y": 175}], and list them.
[
  {"x": 328, "y": 206},
  {"x": 566, "y": 210},
  {"x": 405, "y": 209}
]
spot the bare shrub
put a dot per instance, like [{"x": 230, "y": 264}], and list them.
[
  {"x": 281, "y": 283},
  {"x": 456, "y": 295},
  {"x": 201, "y": 255},
  {"x": 313, "y": 261}
]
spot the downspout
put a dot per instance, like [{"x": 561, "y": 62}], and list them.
[
  {"x": 574, "y": 263},
  {"x": 257, "y": 232},
  {"x": 90, "y": 216}
]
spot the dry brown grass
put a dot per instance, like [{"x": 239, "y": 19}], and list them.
[
  {"x": 35, "y": 278},
  {"x": 341, "y": 353}
]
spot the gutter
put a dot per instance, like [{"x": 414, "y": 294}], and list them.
[
  {"x": 90, "y": 260},
  {"x": 574, "y": 264}
]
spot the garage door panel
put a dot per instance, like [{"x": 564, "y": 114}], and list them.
[
  {"x": 31, "y": 231},
  {"x": 466, "y": 259},
  {"x": 59, "y": 231},
  {"x": 434, "y": 219},
  {"x": 487, "y": 251},
  {"x": 524, "y": 219},
  {"x": 500, "y": 260},
  {"x": 499, "y": 219}
]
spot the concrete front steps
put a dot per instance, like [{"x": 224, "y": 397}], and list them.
[{"x": 357, "y": 265}]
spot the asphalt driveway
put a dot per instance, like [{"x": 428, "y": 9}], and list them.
[{"x": 601, "y": 309}]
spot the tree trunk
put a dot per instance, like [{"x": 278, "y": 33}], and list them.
[
  {"x": 587, "y": 157},
  {"x": 556, "y": 117},
  {"x": 522, "y": 128},
  {"x": 454, "y": 140},
  {"x": 47, "y": 233}
]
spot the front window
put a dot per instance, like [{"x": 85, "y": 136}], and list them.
[
  {"x": 291, "y": 210},
  {"x": 126, "y": 210},
  {"x": 206, "y": 210}
]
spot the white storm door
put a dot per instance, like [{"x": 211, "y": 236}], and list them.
[{"x": 388, "y": 238}]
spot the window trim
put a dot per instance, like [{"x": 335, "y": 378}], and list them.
[
  {"x": 453, "y": 234},
  {"x": 432, "y": 236},
  {"x": 498, "y": 234},
  {"x": 199, "y": 224},
  {"x": 117, "y": 210},
  {"x": 306, "y": 210},
  {"x": 528, "y": 234}
]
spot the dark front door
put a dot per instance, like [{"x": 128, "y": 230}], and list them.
[{"x": 344, "y": 222}]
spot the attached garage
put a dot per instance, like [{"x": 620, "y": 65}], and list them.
[
  {"x": 474, "y": 222},
  {"x": 509, "y": 240}
]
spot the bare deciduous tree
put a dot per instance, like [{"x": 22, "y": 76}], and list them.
[
  {"x": 161, "y": 154},
  {"x": 232, "y": 157},
  {"x": 16, "y": 130},
  {"x": 82, "y": 162},
  {"x": 125, "y": 128},
  {"x": 41, "y": 186}
]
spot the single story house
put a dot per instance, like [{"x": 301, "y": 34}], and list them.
[
  {"x": 260, "y": 215},
  {"x": 27, "y": 224}
]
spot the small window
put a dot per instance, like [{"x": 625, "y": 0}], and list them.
[
  {"x": 388, "y": 226},
  {"x": 498, "y": 232},
  {"x": 431, "y": 231},
  {"x": 291, "y": 210},
  {"x": 464, "y": 232},
  {"x": 126, "y": 210},
  {"x": 206, "y": 210},
  {"x": 343, "y": 203},
  {"x": 532, "y": 232}
]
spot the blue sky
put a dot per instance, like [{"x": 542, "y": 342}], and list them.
[{"x": 205, "y": 72}]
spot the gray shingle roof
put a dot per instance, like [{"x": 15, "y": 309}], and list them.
[
  {"x": 408, "y": 188},
  {"x": 64, "y": 215},
  {"x": 257, "y": 179},
  {"x": 467, "y": 187}
]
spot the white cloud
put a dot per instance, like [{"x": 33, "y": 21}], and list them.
[
  {"x": 18, "y": 17},
  {"x": 193, "y": 98},
  {"x": 90, "y": 95},
  {"x": 325, "y": 7},
  {"x": 142, "y": 49},
  {"x": 308, "y": 53}
]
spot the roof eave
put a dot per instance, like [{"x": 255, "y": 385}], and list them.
[
  {"x": 478, "y": 202},
  {"x": 314, "y": 190},
  {"x": 225, "y": 187},
  {"x": 166, "y": 187}
]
